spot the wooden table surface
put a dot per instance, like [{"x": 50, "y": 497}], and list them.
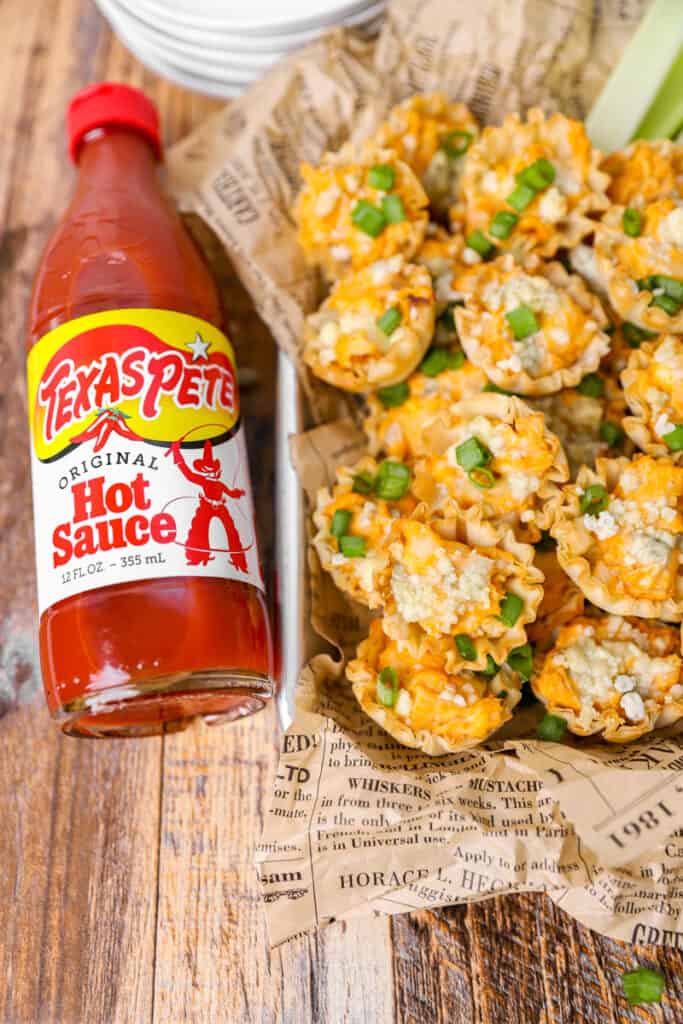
[{"x": 127, "y": 891}]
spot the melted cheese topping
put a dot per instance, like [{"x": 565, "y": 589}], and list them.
[
  {"x": 653, "y": 385},
  {"x": 644, "y": 172},
  {"x": 606, "y": 673},
  {"x": 556, "y": 217},
  {"x": 568, "y": 343},
  {"x": 416, "y": 130},
  {"x": 331, "y": 190},
  {"x": 399, "y": 431},
  {"x": 344, "y": 343}
]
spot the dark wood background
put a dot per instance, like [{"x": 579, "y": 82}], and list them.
[{"x": 127, "y": 891}]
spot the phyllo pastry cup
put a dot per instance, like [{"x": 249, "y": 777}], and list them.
[
  {"x": 358, "y": 206},
  {"x": 653, "y": 387},
  {"x": 465, "y": 591},
  {"x": 374, "y": 327},
  {"x": 494, "y": 456},
  {"x": 544, "y": 171},
  {"x": 531, "y": 331},
  {"x": 620, "y": 677},
  {"x": 423, "y": 704},
  {"x": 644, "y": 172},
  {"x": 619, "y": 535},
  {"x": 562, "y": 600}
]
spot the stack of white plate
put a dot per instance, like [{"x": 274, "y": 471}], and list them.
[{"x": 219, "y": 47}]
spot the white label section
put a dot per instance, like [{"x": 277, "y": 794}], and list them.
[{"x": 140, "y": 512}]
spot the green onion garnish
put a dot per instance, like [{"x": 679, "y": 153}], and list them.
[
  {"x": 393, "y": 480},
  {"x": 368, "y": 218},
  {"x": 465, "y": 646},
  {"x": 439, "y": 359},
  {"x": 503, "y": 224},
  {"x": 592, "y": 385},
  {"x": 394, "y": 395},
  {"x": 551, "y": 728},
  {"x": 510, "y": 609},
  {"x": 387, "y": 687},
  {"x": 611, "y": 433},
  {"x": 671, "y": 286},
  {"x": 665, "y": 302},
  {"x": 352, "y": 547},
  {"x": 643, "y": 986},
  {"x": 456, "y": 143},
  {"x": 363, "y": 483},
  {"x": 635, "y": 335},
  {"x": 538, "y": 175},
  {"x": 393, "y": 209},
  {"x": 382, "y": 176},
  {"x": 389, "y": 320},
  {"x": 521, "y": 660},
  {"x": 632, "y": 222},
  {"x": 491, "y": 669},
  {"x": 594, "y": 500},
  {"x": 674, "y": 439},
  {"x": 523, "y": 322},
  {"x": 546, "y": 543},
  {"x": 490, "y": 386},
  {"x": 478, "y": 241},
  {"x": 472, "y": 454},
  {"x": 520, "y": 198},
  {"x": 482, "y": 478},
  {"x": 341, "y": 520}
]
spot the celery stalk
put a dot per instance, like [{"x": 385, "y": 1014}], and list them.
[{"x": 664, "y": 119}]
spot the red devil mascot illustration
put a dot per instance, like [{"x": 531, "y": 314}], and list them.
[{"x": 212, "y": 505}]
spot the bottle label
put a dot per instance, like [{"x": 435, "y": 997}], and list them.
[{"x": 137, "y": 453}]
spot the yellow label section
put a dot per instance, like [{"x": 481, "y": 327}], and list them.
[{"x": 144, "y": 374}]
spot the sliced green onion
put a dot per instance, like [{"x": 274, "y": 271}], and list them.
[
  {"x": 394, "y": 395},
  {"x": 592, "y": 385},
  {"x": 393, "y": 209},
  {"x": 551, "y": 728},
  {"x": 647, "y": 284},
  {"x": 546, "y": 543},
  {"x": 521, "y": 660},
  {"x": 363, "y": 483},
  {"x": 674, "y": 439},
  {"x": 502, "y": 694},
  {"x": 523, "y": 321},
  {"x": 643, "y": 986},
  {"x": 673, "y": 287},
  {"x": 510, "y": 609},
  {"x": 611, "y": 433},
  {"x": 439, "y": 359},
  {"x": 389, "y": 320},
  {"x": 456, "y": 143},
  {"x": 635, "y": 335},
  {"x": 520, "y": 198},
  {"x": 490, "y": 386},
  {"x": 472, "y": 453},
  {"x": 341, "y": 520},
  {"x": 594, "y": 500},
  {"x": 632, "y": 222},
  {"x": 466, "y": 647},
  {"x": 478, "y": 241},
  {"x": 503, "y": 224},
  {"x": 665, "y": 302},
  {"x": 387, "y": 687},
  {"x": 393, "y": 480},
  {"x": 491, "y": 669},
  {"x": 482, "y": 478},
  {"x": 538, "y": 175},
  {"x": 368, "y": 218},
  {"x": 382, "y": 176},
  {"x": 352, "y": 547}
]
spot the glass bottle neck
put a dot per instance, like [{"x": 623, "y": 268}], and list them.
[{"x": 110, "y": 152}]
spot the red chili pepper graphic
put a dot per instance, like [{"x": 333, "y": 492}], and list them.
[{"x": 106, "y": 423}]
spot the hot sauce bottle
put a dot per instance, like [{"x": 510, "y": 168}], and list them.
[{"x": 150, "y": 589}]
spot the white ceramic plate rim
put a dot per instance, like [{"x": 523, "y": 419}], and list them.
[{"x": 284, "y": 23}]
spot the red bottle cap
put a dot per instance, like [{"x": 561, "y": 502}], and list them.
[{"x": 111, "y": 103}]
